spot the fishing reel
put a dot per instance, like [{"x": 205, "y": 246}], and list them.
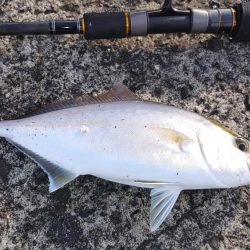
[{"x": 233, "y": 21}]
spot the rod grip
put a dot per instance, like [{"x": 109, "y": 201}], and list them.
[
  {"x": 106, "y": 25},
  {"x": 242, "y": 32}
]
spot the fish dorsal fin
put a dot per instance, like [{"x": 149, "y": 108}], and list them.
[
  {"x": 58, "y": 177},
  {"x": 162, "y": 202},
  {"x": 118, "y": 93}
]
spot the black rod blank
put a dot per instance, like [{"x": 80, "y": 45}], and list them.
[
  {"x": 39, "y": 28},
  {"x": 33, "y": 28}
]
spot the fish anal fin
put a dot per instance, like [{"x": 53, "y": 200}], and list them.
[
  {"x": 119, "y": 92},
  {"x": 162, "y": 202},
  {"x": 58, "y": 177}
]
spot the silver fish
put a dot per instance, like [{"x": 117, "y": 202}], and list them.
[{"x": 120, "y": 138}]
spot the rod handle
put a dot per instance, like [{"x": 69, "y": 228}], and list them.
[
  {"x": 242, "y": 32},
  {"x": 106, "y": 25}
]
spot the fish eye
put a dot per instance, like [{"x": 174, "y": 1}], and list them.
[{"x": 242, "y": 144}]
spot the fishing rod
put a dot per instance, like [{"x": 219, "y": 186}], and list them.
[{"x": 233, "y": 21}]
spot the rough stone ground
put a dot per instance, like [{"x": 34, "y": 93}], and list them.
[{"x": 200, "y": 73}]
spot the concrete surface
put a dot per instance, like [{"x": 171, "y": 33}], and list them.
[{"x": 200, "y": 73}]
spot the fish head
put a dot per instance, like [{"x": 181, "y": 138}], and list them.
[{"x": 226, "y": 154}]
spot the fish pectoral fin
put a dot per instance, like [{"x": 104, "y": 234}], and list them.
[
  {"x": 176, "y": 138},
  {"x": 162, "y": 202},
  {"x": 58, "y": 177}
]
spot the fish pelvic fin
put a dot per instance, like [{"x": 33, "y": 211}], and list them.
[
  {"x": 162, "y": 202},
  {"x": 58, "y": 177}
]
